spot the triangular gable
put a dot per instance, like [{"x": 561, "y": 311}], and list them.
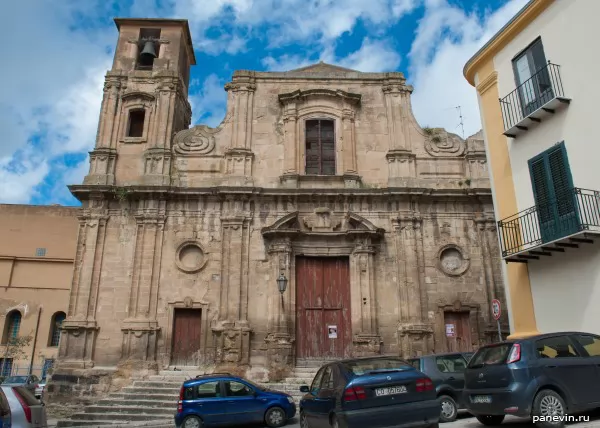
[{"x": 323, "y": 67}]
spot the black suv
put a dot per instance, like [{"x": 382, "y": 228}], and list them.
[
  {"x": 544, "y": 377},
  {"x": 447, "y": 373}
]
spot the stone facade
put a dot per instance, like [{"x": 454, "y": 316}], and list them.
[{"x": 208, "y": 218}]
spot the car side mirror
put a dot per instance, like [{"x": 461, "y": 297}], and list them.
[{"x": 304, "y": 388}]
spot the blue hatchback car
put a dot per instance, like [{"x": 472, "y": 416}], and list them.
[{"x": 221, "y": 399}]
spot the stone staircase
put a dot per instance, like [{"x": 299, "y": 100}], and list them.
[{"x": 153, "y": 402}]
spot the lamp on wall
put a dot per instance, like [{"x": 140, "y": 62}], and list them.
[{"x": 282, "y": 282}]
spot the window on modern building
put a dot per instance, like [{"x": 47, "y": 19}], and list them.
[
  {"x": 40, "y": 252},
  {"x": 553, "y": 192},
  {"x": 11, "y": 326},
  {"x": 55, "y": 325},
  {"x": 148, "y": 48},
  {"x": 135, "y": 127},
  {"x": 532, "y": 77},
  {"x": 320, "y": 147},
  {"x": 6, "y": 365}
]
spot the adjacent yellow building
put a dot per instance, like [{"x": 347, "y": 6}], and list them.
[
  {"x": 538, "y": 97},
  {"x": 37, "y": 250}
]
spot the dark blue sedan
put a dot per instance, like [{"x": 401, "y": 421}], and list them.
[
  {"x": 377, "y": 392},
  {"x": 222, "y": 399}
]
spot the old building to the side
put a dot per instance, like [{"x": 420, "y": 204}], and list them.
[
  {"x": 37, "y": 251},
  {"x": 317, "y": 221}
]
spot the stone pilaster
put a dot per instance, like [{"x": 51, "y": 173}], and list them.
[
  {"x": 108, "y": 111},
  {"x": 401, "y": 160},
  {"x": 157, "y": 166},
  {"x": 366, "y": 340},
  {"x": 80, "y": 327},
  {"x": 279, "y": 340},
  {"x": 163, "y": 124},
  {"x": 102, "y": 167},
  {"x": 140, "y": 329},
  {"x": 415, "y": 332},
  {"x": 232, "y": 329}
]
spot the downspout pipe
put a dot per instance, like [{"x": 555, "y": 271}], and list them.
[{"x": 37, "y": 328}]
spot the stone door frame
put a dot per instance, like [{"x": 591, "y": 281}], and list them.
[
  {"x": 325, "y": 234},
  {"x": 206, "y": 333},
  {"x": 473, "y": 309}
]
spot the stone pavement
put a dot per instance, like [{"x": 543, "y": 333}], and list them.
[{"x": 464, "y": 421}]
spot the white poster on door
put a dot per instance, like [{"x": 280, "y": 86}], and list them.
[
  {"x": 450, "y": 330},
  {"x": 332, "y": 331}
]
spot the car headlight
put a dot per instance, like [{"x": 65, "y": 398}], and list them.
[{"x": 291, "y": 400}]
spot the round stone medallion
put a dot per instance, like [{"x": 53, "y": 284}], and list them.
[
  {"x": 190, "y": 257},
  {"x": 452, "y": 260}
]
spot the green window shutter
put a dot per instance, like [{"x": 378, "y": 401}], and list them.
[
  {"x": 562, "y": 181},
  {"x": 541, "y": 187}
]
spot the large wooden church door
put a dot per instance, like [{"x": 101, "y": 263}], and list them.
[{"x": 323, "y": 324}]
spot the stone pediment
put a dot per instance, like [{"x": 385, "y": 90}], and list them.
[
  {"x": 301, "y": 95},
  {"x": 323, "y": 67},
  {"x": 322, "y": 221}
]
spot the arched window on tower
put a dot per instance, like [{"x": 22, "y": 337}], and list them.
[
  {"x": 11, "y": 326},
  {"x": 55, "y": 326}
]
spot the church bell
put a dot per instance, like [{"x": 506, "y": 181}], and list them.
[{"x": 148, "y": 50}]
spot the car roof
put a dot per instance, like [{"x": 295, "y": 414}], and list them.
[
  {"x": 212, "y": 376},
  {"x": 376, "y": 357},
  {"x": 441, "y": 354},
  {"x": 540, "y": 336}
]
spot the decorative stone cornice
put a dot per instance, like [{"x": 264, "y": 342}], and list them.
[
  {"x": 138, "y": 95},
  {"x": 487, "y": 83}
]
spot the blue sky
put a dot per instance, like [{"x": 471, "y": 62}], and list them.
[{"x": 58, "y": 53}]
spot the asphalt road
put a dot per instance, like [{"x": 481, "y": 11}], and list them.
[{"x": 465, "y": 420}]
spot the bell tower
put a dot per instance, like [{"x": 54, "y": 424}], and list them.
[{"x": 145, "y": 103}]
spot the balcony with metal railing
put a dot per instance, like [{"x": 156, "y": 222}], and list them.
[
  {"x": 540, "y": 96},
  {"x": 569, "y": 221}
]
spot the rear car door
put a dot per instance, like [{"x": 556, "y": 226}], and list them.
[
  {"x": 242, "y": 403},
  {"x": 452, "y": 369},
  {"x": 309, "y": 403},
  {"x": 207, "y": 399},
  {"x": 590, "y": 346},
  {"x": 562, "y": 364}
]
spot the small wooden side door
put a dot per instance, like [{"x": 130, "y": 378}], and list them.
[
  {"x": 457, "y": 331},
  {"x": 187, "y": 336}
]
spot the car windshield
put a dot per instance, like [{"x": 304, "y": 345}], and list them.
[
  {"x": 16, "y": 379},
  {"x": 490, "y": 355},
  {"x": 374, "y": 365}
]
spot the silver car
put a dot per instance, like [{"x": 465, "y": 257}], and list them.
[{"x": 26, "y": 411}]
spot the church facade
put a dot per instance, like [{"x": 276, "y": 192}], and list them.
[{"x": 317, "y": 221}]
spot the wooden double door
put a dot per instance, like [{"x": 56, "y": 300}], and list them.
[{"x": 323, "y": 315}]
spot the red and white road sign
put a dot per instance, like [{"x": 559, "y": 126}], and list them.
[{"x": 496, "y": 311}]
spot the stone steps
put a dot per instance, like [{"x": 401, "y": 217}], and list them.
[{"x": 153, "y": 402}]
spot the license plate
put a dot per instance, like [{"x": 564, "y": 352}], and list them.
[
  {"x": 379, "y": 392},
  {"x": 482, "y": 399}
]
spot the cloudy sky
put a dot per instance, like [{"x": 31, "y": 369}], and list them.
[{"x": 57, "y": 55}]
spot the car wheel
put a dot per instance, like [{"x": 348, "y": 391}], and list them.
[
  {"x": 275, "y": 417},
  {"x": 192, "y": 422},
  {"x": 303, "y": 421},
  {"x": 490, "y": 420},
  {"x": 449, "y": 409},
  {"x": 548, "y": 404}
]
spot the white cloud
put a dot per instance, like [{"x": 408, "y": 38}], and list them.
[
  {"x": 446, "y": 38},
  {"x": 372, "y": 56},
  {"x": 209, "y": 104}
]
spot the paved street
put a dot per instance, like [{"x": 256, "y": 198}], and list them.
[{"x": 467, "y": 421}]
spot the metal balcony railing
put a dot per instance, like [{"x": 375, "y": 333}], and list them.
[
  {"x": 576, "y": 211},
  {"x": 533, "y": 94}
]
